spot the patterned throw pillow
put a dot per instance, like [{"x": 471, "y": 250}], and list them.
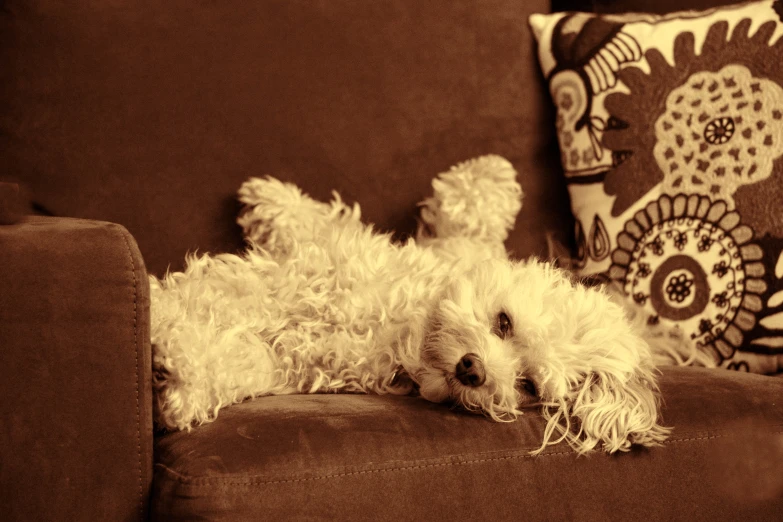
[{"x": 671, "y": 136}]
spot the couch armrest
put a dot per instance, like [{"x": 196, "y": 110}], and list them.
[{"x": 75, "y": 378}]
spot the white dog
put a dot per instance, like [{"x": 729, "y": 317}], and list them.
[{"x": 322, "y": 303}]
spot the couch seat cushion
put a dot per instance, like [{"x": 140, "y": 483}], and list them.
[{"x": 356, "y": 457}]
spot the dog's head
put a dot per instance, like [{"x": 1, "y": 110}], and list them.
[{"x": 512, "y": 334}]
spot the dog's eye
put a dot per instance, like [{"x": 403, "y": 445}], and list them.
[{"x": 503, "y": 327}]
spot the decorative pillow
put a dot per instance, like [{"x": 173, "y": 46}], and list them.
[{"x": 671, "y": 137}]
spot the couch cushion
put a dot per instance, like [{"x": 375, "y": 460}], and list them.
[
  {"x": 150, "y": 114},
  {"x": 637, "y": 6},
  {"x": 346, "y": 456}
]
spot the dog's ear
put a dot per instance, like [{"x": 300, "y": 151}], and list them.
[
  {"x": 610, "y": 413},
  {"x": 617, "y": 414}
]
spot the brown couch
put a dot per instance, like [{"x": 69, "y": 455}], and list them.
[{"x": 149, "y": 114}]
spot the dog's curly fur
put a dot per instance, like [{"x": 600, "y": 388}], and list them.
[{"x": 320, "y": 302}]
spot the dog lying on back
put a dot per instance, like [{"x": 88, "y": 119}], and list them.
[{"x": 322, "y": 303}]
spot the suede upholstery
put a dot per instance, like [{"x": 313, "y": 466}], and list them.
[
  {"x": 345, "y": 456},
  {"x": 76, "y": 441},
  {"x": 150, "y": 114},
  {"x": 11, "y": 209},
  {"x": 637, "y": 6}
]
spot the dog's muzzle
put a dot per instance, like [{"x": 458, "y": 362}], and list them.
[{"x": 470, "y": 370}]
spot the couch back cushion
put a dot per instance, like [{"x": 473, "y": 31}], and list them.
[
  {"x": 636, "y": 6},
  {"x": 150, "y": 114}
]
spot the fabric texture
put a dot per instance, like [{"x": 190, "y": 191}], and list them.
[
  {"x": 636, "y": 6},
  {"x": 344, "y": 456},
  {"x": 151, "y": 114},
  {"x": 76, "y": 441},
  {"x": 11, "y": 207},
  {"x": 671, "y": 136}
]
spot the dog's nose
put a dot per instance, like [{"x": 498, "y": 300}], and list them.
[{"x": 470, "y": 370}]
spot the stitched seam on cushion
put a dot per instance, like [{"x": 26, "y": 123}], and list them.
[
  {"x": 210, "y": 481},
  {"x": 719, "y": 435},
  {"x": 136, "y": 352}
]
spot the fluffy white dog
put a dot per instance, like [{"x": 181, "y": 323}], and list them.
[{"x": 322, "y": 303}]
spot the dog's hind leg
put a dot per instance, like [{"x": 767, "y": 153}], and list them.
[
  {"x": 277, "y": 214},
  {"x": 213, "y": 329},
  {"x": 194, "y": 380}
]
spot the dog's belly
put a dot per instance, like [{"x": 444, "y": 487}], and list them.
[{"x": 340, "y": 316}]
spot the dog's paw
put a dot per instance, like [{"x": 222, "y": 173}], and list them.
[
  {"x": 399, "y": 383},
  {"x": 276, "y": 214},
  {"x": 270, "y": 209},
  {"x": 479, "y": 198}
]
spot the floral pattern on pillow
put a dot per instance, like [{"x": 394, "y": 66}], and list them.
[{"x": 671, "y": 138}]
